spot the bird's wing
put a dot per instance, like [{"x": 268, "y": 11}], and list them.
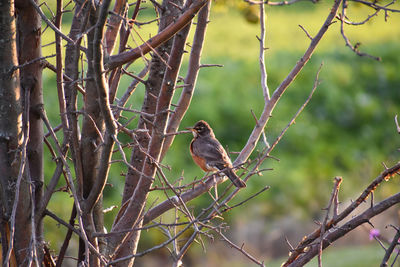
[{"x": 213, "y": 152}]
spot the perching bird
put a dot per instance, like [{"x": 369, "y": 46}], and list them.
[{"x": 209, "y": 154}]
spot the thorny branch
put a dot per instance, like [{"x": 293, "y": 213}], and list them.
[
  {"x": 339, "y": 232},
  {"x": 303, "y": 247},
  {"x": 390, "y": 249}
]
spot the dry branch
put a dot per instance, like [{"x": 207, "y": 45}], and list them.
[
  {"x": 157, "y": 40},
  {"x": 190, "y": 79},
  {"x": 339, "y": 232},
  {"x": 309, "y": 239}
]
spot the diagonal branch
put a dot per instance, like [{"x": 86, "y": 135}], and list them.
[
  {"x": 157, "y": 40},
  {"x": 52, "y": 26},
  {"x": 270, "y": 105},
  {"x": 211, "y": 182},
  {"x": 390, "y": 249},
  {"x": 301, "y": 247},
  {"x": 346, "y": 228}
]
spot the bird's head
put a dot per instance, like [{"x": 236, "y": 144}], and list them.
[{"x": 201, "y": 128}]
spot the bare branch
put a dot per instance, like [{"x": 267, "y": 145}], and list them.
[
  {"x": 306, "y": 32},
  {"x": 390, "y": 249},
  {"x": 241, "y": 249},
  {"x": 21, "y": 173},
  {"x": 344, "y": 229},
  {"x": 347, "y": 41},
  {"x": 161, "y": 37},
  {"x": 190, "y": 79},
  {"x": 375, "y": 5},
  {"x": 270, "y": 105},
  {"x": 79, "y": 233},
  {"x": 130, "y": 89},
  {"x": 52, "y": 26},
  {"x": 334, "y": 194},
  {"x": 67, "y": 238},
  {"x": 301, "y": 247},
  {"x": 263, "y": 71}
]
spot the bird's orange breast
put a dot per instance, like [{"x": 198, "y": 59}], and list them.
[{"x": 201, "y": 162}]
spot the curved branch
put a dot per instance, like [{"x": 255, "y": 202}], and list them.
[{"x": 161, "y": 37}]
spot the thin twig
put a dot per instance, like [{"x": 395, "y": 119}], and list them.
[
  {"x": 336, "y": 186},
  {"x": 305, "y": 243},
  {"x": 21, "y": 173},
  {"x": 247, "y": 199},
  {"x": 247, "y": 254},
  {"x": 346, "y": 39},
  {"x": 70, "y": 180},
  {"x": 306, "y": 32},
  {"x": 263, "y": 71},
  {"x": 390, "y": 249},
  {"x": 397, "y": 124},
  {"x": 51, "y": 25}
]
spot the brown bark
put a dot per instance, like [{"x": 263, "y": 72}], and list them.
[
  {"x": 153, "y": 86},
  {"x": 11, "y": 137},
  {"x": 190, "y": 79},
  {"x": 72, "y": 54},
  {"x": 160, "y": 38},
  {"x": 114, "y": 24},
  {"x": 136, "y": 205},
  {"x": 91, "y": 141},
  {"x": 29, "y": 48}
]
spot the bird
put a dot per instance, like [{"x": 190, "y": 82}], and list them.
[{"x": 208, "y": 153}]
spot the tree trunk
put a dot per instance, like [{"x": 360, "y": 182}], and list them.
[
  {"x": 29, "y": 48},
  {"x": 91, "y": 141},
  {"x": 11, "y": 150}
]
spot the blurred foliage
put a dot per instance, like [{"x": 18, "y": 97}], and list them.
[{"x": 346, "y": 130}]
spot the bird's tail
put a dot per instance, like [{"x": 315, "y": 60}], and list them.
[{"x": 234, "y": 178}]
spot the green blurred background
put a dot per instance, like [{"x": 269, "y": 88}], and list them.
[{"x": 346, "y": 130}]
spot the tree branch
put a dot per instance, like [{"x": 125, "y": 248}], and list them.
[
  {"x": 190, "y": 79},
  {"x": 346, "y": 228},
  {"x": 301, "y": 247},
  {"x": 104, "y": 104},
  {"x": 270, "y": 105},
  {"x": 157, "y": 40}
]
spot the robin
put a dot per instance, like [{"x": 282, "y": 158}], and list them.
[{"x": 208, "y": 153}]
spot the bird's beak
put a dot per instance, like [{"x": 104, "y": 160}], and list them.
[{"x": 192, "y": 130}]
